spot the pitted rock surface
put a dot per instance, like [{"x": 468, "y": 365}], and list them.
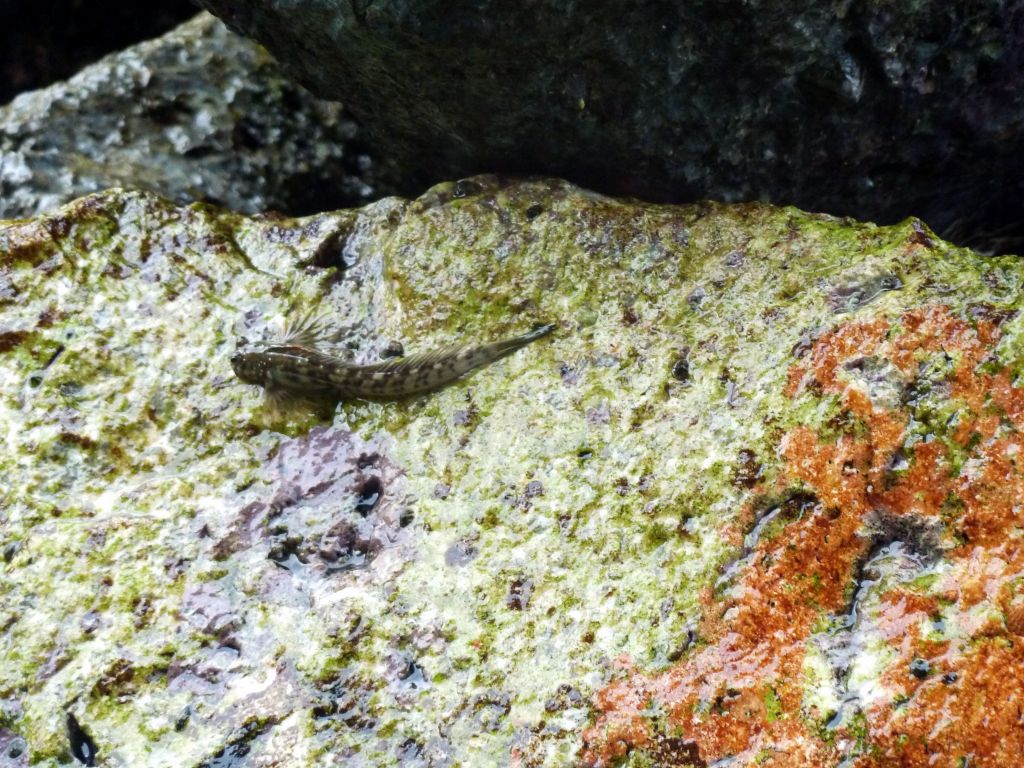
[{"x": 756, "y": 499}]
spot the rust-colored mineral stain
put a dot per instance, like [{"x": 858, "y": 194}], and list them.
[
  {"x": 831, "y": 350},
  {"x": 993, "y": 492},
  {"x": 925, "y": 487},
  {"x": 969, "y": 707},
  {"x": 718, "y": 696},
  {"x": 959, "y": 697}
]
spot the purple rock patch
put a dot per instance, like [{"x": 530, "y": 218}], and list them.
[{"x": 333, "y": 502}]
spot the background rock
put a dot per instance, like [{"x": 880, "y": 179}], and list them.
[
  {"x": 556, "y": 542},
  {"x": 48, "y": 40},
  {"x": 199, "y": 114},
  {"x": 871, "y": 109}
]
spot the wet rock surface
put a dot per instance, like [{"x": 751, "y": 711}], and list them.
[
  {"x": 198, "y": 114},
  {"x": 874, "y": 110},
  {"x": 338, "y": 502},
  {"x": 741, "y": 506}
]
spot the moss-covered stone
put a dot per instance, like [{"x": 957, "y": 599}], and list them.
[{"x": 196, "y": 580}]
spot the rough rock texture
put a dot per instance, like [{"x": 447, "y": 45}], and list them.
[
  {"x": 199, "y": 114},
  {"x": 874, "y": 109},
  {"x": 759, "y": 495}
]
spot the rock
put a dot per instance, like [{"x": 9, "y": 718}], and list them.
[
  {"x": 875, "y": 110},
  {"x": 748, "y": 561},
  {"x": 199, "y": 114}
]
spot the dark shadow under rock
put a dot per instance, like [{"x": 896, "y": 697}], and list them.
[
  {"x": 42, "y": 42},
  {"x": 879, "y": 111}
]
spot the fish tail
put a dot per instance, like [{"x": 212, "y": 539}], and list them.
[
  {"x": 500, "y": 349},
  {"x": 425, "y": 371}
]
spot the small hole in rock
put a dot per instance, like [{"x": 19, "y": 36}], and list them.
[
  {"x": 183, "y": 718},
  {"x": 465, "y": 188},
  {"x": 803, "y": 346},
  {"x": 681, "y": 368},
  {"x": 286, "y": 552},
  {"x": 393, "y": 349},
  {"x": 366, "y": 460},
  {"x": 199, "y": 152},
  {"x": 16, "y": 749},
  {"x": 82, "y": 747},
  {"x": 369, "y": 495},
  {"x": 247, "y": 134},
  {"x": 519, "y": 593},
  {"x": 10, "y": 550}
]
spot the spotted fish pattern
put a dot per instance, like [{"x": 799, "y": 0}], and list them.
[{"x": 296, "y": 368}]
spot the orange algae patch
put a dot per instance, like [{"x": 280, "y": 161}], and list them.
[
  {"x": 832, "y": 350},
  {"x": 993, "y": 492},
  {"x": 740, "y": 693},
  {"x": 967, "y": 709}
]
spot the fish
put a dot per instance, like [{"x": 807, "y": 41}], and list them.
[{"x": 294, "y": 368}]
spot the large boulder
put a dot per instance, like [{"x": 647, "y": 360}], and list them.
[
  {"x": 874, "y": 109},
  {"x": 198, "y": 114},
  {"x": 758, "y": 496}
]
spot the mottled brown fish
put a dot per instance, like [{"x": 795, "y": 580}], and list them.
[{"x": 295, "y": 369}]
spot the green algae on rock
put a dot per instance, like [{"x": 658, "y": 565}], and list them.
[{"x": 450, "y": 579}]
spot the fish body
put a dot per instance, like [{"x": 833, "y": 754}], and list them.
[{"x": 302, "y": 371}]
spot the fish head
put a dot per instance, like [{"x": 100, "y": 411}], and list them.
[{"x": 250, "y": 365}]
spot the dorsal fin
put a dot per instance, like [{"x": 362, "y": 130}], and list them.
[{"x": 306, "y": 330}]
